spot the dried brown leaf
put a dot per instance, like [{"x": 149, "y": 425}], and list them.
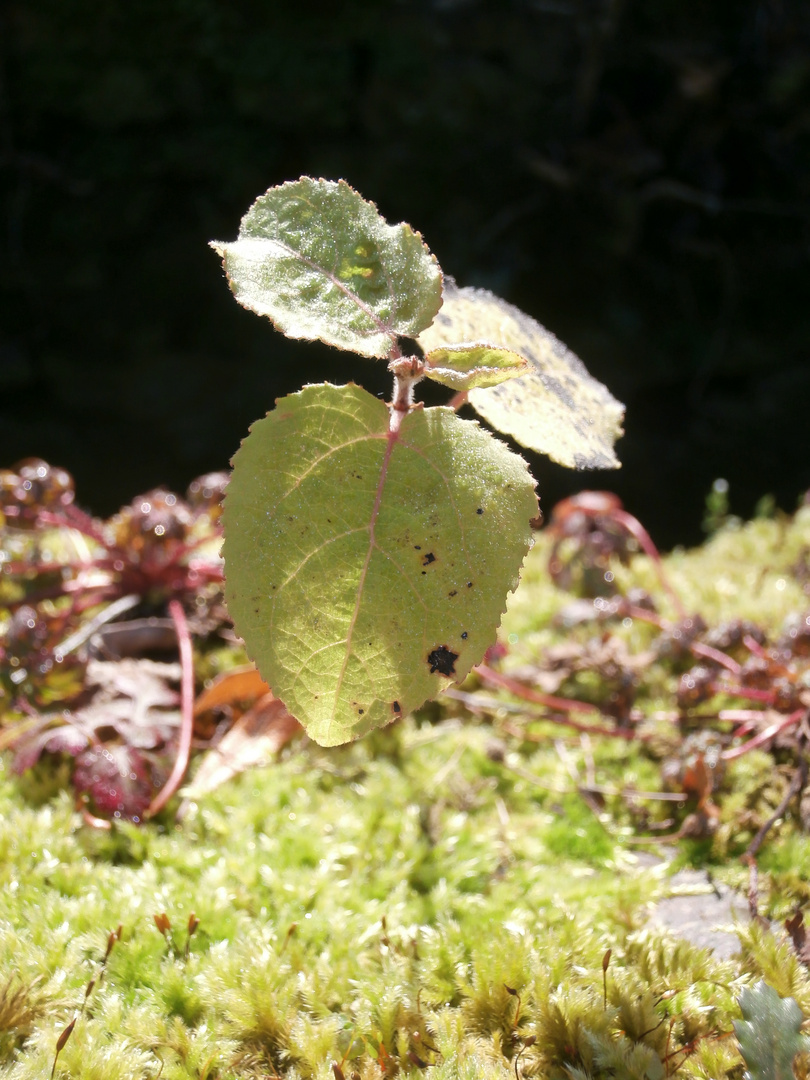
[
  {"x": 241, "y": 684},
  {"x": 261, "y": 732}
]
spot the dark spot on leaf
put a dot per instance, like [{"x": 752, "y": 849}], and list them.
[
  {"x": 464, "y": 636},
  {"x": 428, "y": 559},
  {"x": 443, "y": 660},
  {"x": 396, "y": 707},
  {"x": 361, "y": 711},
  {"x": 452, "y": 592},
  {"x": 480, "y": 510},
  {"x": 469, "y": 584},
  {"x": 417, "y": 547}
]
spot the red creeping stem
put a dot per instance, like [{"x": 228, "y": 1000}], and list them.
[
  {"x": 577, "y": 725},
  {"x": 563, "y": 705},
  {"x": 698, "y": 648},
  {"x": 514, "y": 687},
  {"x": 72, "y": 517},
  {"x": 764, "y": 736},
  {"x": 637, "y": 530},
  {"x": 754, "y": 647},
  {"x": 746, "y": 719},
  {"x": 749, "y": 693},
  {"x": 186, "y": 711}
]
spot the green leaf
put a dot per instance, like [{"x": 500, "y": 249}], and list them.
[
  {"x": 367, "y": 571},
  {"x": 557, "y": 409},
  {"x": 321, "y": 262},
  {"x": 769, "y": 1034},
  {"x": 469, "y": 365}
]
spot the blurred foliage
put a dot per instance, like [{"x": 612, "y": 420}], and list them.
[{"x": 634, "y": 176}]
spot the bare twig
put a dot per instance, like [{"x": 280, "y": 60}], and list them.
[{"x": 796, "y": 787}]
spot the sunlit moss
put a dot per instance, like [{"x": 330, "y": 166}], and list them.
[
  {"x": 382, "y": 914},
  {"x": 437, "y": 900}
]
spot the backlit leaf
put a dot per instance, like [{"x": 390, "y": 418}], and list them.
[
  {"x": 367, "y": 572},
  {"x": 466, "y": 366},
  {"x": 321, "y": 262},
  {"x": 557, "y": 409}
]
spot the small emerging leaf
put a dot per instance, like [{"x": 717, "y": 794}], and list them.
[
  {"x": 367, "y": 571},
  {"x": 557, "y": 409},
  {"x": 769, "y": 1033},
  {"x": 467, "y": 366},
  {"x": 321, "y": 262}
]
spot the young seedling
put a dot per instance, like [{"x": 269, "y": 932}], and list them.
[{"x": 370, "y": 548}]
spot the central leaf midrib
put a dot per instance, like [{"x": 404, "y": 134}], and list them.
[
  {"x": 382, "y": 327},
  {"x": 392, "y": 439}
]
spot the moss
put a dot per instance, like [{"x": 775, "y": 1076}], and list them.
[
  {"x": 383, "y": 913},
  {"x": 426, "y": 897}
]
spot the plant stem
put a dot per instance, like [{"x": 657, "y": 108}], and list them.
[
  {"x": 529, "y": 694},
  {"x": 748, "y": 693},
  {"x": 699, "y": 648},
  {"x": 407, "y": 372},
  {"x": 186, "y": 711},
  {"x": 764, "y": 736},
  {"x": 637, "y": 530},
  {"x": 561, "y": 705}
]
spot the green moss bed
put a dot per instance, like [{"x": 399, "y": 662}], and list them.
[{"x": 449, "y": 898}]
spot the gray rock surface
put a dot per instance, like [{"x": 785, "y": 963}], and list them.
[{"x": 702, "y": 911}]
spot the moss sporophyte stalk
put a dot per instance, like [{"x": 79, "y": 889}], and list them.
[{"x": 370, "y": 548}]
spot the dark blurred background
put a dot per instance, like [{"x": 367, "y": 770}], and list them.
[{"x": 634, "y": 175}]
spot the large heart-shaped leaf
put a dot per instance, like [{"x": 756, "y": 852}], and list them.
[
  {"x": 557, "y": 409},
  {"x": 368, "y": 570},
  {"x": 321, "y": 262}
]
